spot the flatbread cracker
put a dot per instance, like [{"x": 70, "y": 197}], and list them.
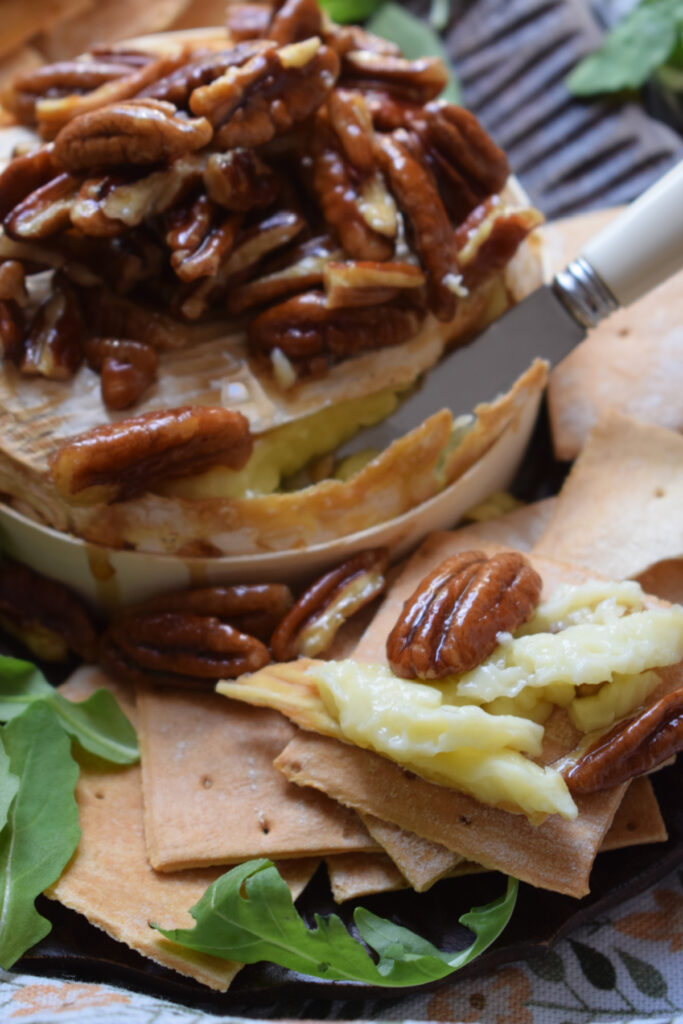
[
  {"x": 212, "y": 795},
  {"x": 419, "y": 861},
  {"x": 638, "y": 819},
  {"x": 109, "y": 880},
  {"x": 353, "y": 875},
  {"x": 632, "y": 363},
  {"x": 620, "y": 509}
]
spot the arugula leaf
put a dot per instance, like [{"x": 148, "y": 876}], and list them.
[
  {"x": 9, "y": 784},
  {"x": 645, "y": 40},
  {"x": 439, "y": 14},
  {"x": 344, "y": 11},
  {"x": 42, "y": 830},
  {"x": 97, "y": 724},
  {"x": 247, "y": 915},
  {"x": 416, "y": 38}
]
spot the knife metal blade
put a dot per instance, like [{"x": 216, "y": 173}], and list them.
[{"x": 540, "y": 325}]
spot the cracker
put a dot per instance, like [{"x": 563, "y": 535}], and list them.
[
  {"x": 519, "y": 529},
  {"x": 103, "y": 24},
  {"x": 632, "y": 363},
  {"x": 419, "y": 861},
  {"x": 638, "y": 819},
  {"x": 353, "y": 875},
  {"x": 619, "y": 511},
  {"x": 109, "y": 880},
  {"x": 212, "y": 795}
]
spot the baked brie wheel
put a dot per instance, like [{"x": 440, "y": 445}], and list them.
[{"x": 223, "y": 253}]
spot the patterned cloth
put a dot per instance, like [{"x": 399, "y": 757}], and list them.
[{"x": 622, "y": 968}]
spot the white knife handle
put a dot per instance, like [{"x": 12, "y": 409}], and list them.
[{"x": 644, "y": 245}]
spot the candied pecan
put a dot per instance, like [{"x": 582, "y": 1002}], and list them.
[
  {"x": 54, "y": 344},
  {"x": 302, "y": 271},
  {"x": 178, "y": 649},
  {"x": 489, "y": 237},
  {"x": 45, "y": 211},
  {"x": 54, "y": 113},
  {"x": 459, "y": 139},
  {"x": 390, "y": 112},
  {"x": 267, "y": 95},
  {"x": 178, "y": 86},
  {"x": 254, "y": 608},
  {"x": 13, "y": 282},
  {"x": 363, "y": 283},
  {"x": 417, "y": 80},
  {"x": 127, "y": 368},
  {"x": 29, "y": 600},
  {"x": 434, "y": 237},
  {"x": 340, "y": 201},
  {"x": 247, "y": 21},
  {"x": 633, "y": 747},
  {"x": 310, "y": 334},
  {"x": 200, "y": 239},
  {"x": 451, "y": 622},
  {"x": 343, "y": 38},
  {"x": 12, "y": 330},
  {"x": 314, "y": 621},
  {"x": 294, "y": 21},
  {"x": 121, "y": 460},
  {"x": 63, "y": 78},
  {"x": 24, "y": 174},
  {"x": 240, "y": 180},
  {"x": 140, "y": 199},
  {"x": 350, "y": 118},
  {"x": 87, "y": 212},
  {"x": 131, "y": 132}
]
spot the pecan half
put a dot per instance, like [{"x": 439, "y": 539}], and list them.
[
  {"x": 178, "y": 649},
  {"x": 366, "y": 284},
  {"x": 63, "y": 78},
  {"x": 24, "y": 174},
  {"x": 312, "y": 335},
  {"x": 417, "y": 80},
  {"x": 13, "y": 282},
  {"x": 451, "y": 622},
  {"x": 12, "y": 330},
  {"x": 240, "y": 180},
  {"x": 123, "y": 459},
  {"x": 269, "y": 94},
  {"x": 201, "y": 238},
  {"x": 294, "y": 21},
  {"x": 178, "y": 86},
  {"x": 127, "y": 368},
  {"x": 314, "y": 621},
  {"x": 302, "y": 269},
  {"x": 434, "y": 238},
  {"x": 87, "y": 213},
  {"x": 32, "y": 603},
  {"x": 54, "y": 344},
  {"x": 631, "y": 748},
  {"x": 44, "y": 212},
  {"x": 132, "y": 132},
  {"x": 489, "y": 237},
  {"x": 352, "y": 123},
  {"x": 248, "y": 21},
  {"x": 254, "y": 608}
]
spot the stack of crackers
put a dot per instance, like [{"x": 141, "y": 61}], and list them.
[{"x": 221, "y": 782}]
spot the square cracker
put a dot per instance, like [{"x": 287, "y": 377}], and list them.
[
  {"x": 619, "y": 511},
  {"x": 109, "y": 880},
  {"x": 212, "y": 795},
  {"x": 419, "y": 861},
  {"x": 556, "y": 855},
  {"x": 353, "y": 875}
]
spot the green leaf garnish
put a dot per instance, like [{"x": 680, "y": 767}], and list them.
[
  {"x": 649, "y": 37},
  {"x": 9, "y": 784},
  {"x": 415, "y": 38},
  {"x": 344, "y": 11},
  {"x": 247, "y": 915},
  {"x": 42, "y": 828},
  {"x": 97, "y": 724},
  {"x": 439, "y": 14}
]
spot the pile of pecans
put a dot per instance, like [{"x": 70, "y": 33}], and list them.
[{"x": 295, "y": 172}]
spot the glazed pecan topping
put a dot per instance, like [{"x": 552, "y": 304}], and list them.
[
  {"x": 350, "y": 118},
  {"x": 269, "y": 94},
  {"x": 488, "y": 238},
  {"x": 12, "y": 330},
  {"x": 367, "y": 284},
  {"x": 418, "y": 80},
  {"x": 314, "y": 621},
  {"x": 303, "y": 269},
  {"x": 240, "y": 180},
  {"x": 451, "y": 622},
  {"x": 178, "y": 86},
  {"x": 65, "y": 78},
  {"x": 633, "y": 747},
  {"x": 31, "y": 603},
  {"x": 13, "y": 282},
  {"x": 123, "y": 459},
  {"x": 24, "y": 174},
  {"x": 419, "y": 200},
  {"x": 127, "y": 368},
  {"x": 132, "y": 132},
  {"x": 54, "y": 344},
  {"x": 312, "y": 335},
  {"x": 87, "y": 213},
  {"x": 201, "y": 239},
  {"x": 178, "y": 649},
  {"x": 248, "y": 20}
]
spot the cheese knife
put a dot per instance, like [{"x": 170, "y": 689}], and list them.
[{"x": 637, "y": 251}]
